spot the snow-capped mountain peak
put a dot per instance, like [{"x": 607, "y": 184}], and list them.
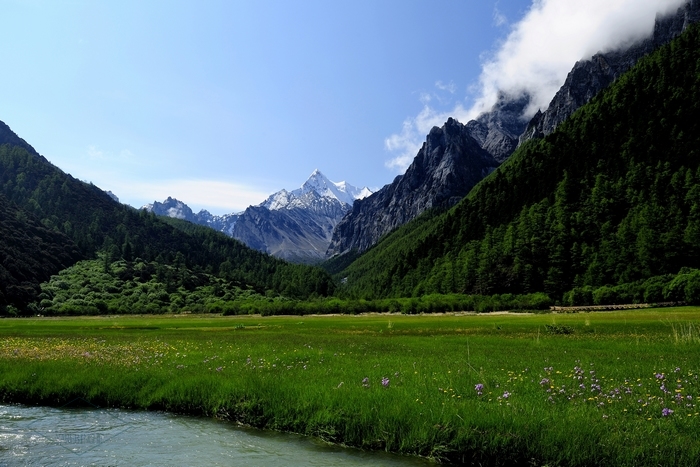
[
  {"x": 277, "y": 200},
  {"x": 319, "y": 185}
]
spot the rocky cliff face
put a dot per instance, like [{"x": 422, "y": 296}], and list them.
[
  {"x": 498, "y": 130},
  {"x": 589, "y": 77},
  {"x": 298, "y": 232},
  {"x": 452, "y": 160}
]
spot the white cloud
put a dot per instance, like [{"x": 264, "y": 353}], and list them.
[
  {"x": 94, "y": 153},
  {"x": 542, "y": 48},
  {"x": 135, "y": 181},
  {"x": 536, "y": 57},
  {"x": 499, "y": 19},
  {"x": 125, "y": 154},
  {"x": 405, "y": 144},
  {"x": 449, "y": 87}
]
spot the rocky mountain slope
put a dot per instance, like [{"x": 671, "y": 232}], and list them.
[
  {"x": 452, "y": 160},
  {"x": 441, "y": 183},
  {"x": 294, "y": 225}
]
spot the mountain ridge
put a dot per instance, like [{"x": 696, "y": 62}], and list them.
[
  {"x": 293, "y": 225},
  {"x": 453, "y": 159}
]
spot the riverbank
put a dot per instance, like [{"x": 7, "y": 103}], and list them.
[{"x": 617, "y": 388}]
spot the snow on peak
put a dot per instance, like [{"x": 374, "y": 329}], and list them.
[
  {"x": 322, "y": 187},
  {"x": 319, "y": 186},
  {"x": 277, "y": 200},
  {"x": 342, "y": 191}
]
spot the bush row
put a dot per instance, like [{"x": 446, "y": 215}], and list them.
[
  {"x": 682, "y": 287},
  {"x": 426, "y": 304}
]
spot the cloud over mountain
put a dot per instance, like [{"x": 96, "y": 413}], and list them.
[{"x": 535, "y": 58}]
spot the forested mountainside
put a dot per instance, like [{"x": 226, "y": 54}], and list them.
[
  {"x": 94, "y": 222},
  {"x": 29, "y": 253},
  {"x": 497, "y": 132},
  {"x": 612, "y": 196}
]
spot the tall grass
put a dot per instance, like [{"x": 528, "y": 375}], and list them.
[{"x": 685, "y": 333}]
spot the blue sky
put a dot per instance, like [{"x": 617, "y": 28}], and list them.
[{"x": 221, "y": 103}]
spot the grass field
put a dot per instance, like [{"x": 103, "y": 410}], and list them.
[{"x": 614, "y": 388}]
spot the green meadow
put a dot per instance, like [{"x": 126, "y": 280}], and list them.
[{"x": 609, "y": 388}]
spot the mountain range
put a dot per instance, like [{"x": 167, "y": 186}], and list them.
[
  {"x": 298, "y": 225},
  {"x": 293, "y": 225}
]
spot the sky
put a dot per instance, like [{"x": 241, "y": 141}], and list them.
[{"x": 221, "y": 103}]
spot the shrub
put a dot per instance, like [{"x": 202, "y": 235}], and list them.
[
  {"x": 605, "y": 295},
  {"x": 692, "y": 288}
]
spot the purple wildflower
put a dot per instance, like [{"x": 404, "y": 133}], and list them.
[
  {"x": 666, "y": 412},
  {"x": 659, "y": 376},
  {"x": 544, "y": 382},
  {"x": 385, "y": 382},
  {"x": 479, "y": 388},
  {"x": 365, "y": 382},
  {"x": 506, "y": 395}
]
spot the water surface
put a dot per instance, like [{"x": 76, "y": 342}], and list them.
[{"x": 45, "y": 436}]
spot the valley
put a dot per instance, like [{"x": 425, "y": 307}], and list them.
[{"x": 427, "y": 318}]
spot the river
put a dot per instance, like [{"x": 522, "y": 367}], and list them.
[{"x": 45, "y": 436}]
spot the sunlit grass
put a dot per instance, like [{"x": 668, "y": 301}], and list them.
[{"x": 617, "y": 389}]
